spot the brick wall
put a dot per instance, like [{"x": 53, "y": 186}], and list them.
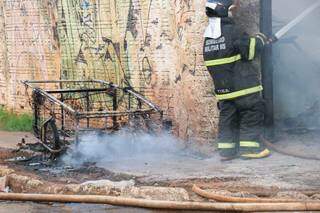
[{"x": 153, "y": 45}]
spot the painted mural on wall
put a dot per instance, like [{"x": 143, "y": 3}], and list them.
[
  {"x": 106, "y": 40},
  {"x": 154, "y": 46},
  {"x": 151, "y": 45},
  {"x": 30, "y": 49}
]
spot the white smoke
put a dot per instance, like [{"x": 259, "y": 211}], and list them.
[
  {"x": 297, "y": 65},
  {"x": 126, "y": 145}
]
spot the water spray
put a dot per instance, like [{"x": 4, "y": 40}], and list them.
[{"x": 284, "y": 30}]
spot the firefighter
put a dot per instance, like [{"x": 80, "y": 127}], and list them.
[{"x": 229, "y": 56}]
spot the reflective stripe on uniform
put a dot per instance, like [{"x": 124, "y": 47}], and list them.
[
  {"x": 226, "y": 145},
  {"x": 239, "y": 93},
  {"x": 223, "y": 61},
  {"x": 250, "y": 144},
  {"x": 252, "y": 49}
]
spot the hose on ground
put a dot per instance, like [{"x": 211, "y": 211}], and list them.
[
  {"x": 288, "y": 153},
  {"x": 222, "y": 198},
  {"x": 169, "y": 205}
]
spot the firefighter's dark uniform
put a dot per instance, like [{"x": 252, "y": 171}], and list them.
[{"x": 238, "y": 89}]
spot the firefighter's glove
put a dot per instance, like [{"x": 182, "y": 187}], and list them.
[
  {"x": 263, "y": 38},
  {"x": 266, "y": 40}
]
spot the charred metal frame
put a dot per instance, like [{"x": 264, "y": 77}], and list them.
[
  {"x": 57, "y": 98},
  {"x": 111, "y": 86}
]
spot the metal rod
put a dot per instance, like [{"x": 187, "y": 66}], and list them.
[
  {"x": 139, "y": 104},
  {"x": 114, "y": 113},
  {"x": 36, "y": 117},
  {"x": 78, "y": 90},
  {"x": 87, "y": 107},
  {"x": 61, "y": 81},
  {"x": 115, "y": 108},
  {"x": 77, "y": 127},
  {"x": 107, "y": 83},
  {"x": 129, "y": 101},
  {"x": 62, "y": 110},
  {"x": 62, "y": 113}
]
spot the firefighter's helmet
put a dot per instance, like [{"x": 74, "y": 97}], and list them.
[{"x": 218, "y": 8}]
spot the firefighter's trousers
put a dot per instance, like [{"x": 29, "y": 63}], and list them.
[{"x": 241, "y": 126}]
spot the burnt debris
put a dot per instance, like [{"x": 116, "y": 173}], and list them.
[{"x": 64, "y": 109}]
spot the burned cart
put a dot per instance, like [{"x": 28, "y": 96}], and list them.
[{"x": 64, "y": 108}]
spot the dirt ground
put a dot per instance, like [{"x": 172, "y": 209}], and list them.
[
  {"x": 278, "y": 171},
  {"x": 265, "y": 177},
  {"x": 10, "y": 139}
]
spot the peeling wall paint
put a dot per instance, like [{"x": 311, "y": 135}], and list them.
[
  {"x": 154, "y": 46},
  {"x": 30, "y": 50},
  {"x": 3, "y": 58}
]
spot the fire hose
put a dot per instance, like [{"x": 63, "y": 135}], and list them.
[
  {"x": 168, "y": 205},
  {"x": 223, "y": 198},
  {"x": 286, "y": 152}
]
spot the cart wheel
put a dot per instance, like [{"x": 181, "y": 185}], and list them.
[{"x": 50, "y": 135}]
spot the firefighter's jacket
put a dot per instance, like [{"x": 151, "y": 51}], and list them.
[{"x": 229, "y": 61}]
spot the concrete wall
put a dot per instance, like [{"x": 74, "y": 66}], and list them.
[
  {"x": 153, "y": 45},
  {"x": 29, "y": 49}
]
